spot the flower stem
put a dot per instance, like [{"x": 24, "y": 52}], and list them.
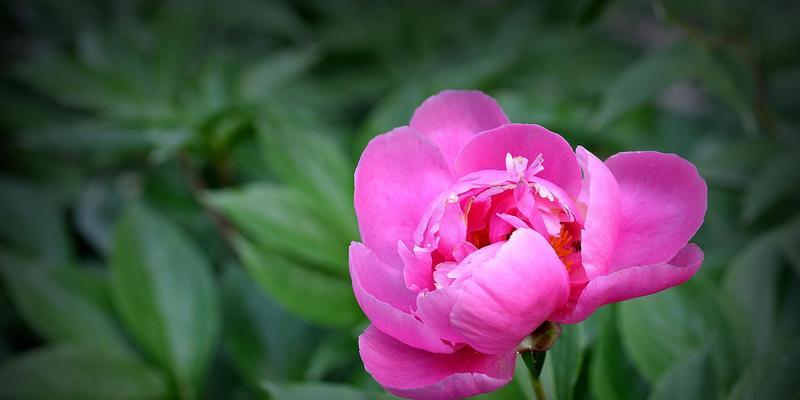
[
  {"x": 539, "y": 389},
  {"x": 534, "y": 360}
]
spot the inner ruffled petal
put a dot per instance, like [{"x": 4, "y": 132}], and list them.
[
  {"x": 452, "y": 228},
  {"x": 417, "y": 267},
  {"x": 483, "y": 209}
]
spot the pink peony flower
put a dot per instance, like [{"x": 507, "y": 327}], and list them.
[{"x": 476, "y": 231}]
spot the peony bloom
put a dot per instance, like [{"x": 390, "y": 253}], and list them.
[{"x": 476, "y": 231}]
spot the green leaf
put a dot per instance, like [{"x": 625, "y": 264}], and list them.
[
  {"x": 109, "y": 80},
  {"x": 591, "y": 11},
  {"x": 70, "y": 82},
  {"x": 564, "y": 361},
  {"x": 32, "y": 222},
  {"x": 708, "y": 17},
  {"x": 476, "y": 71},
  {"x": 723, "y": 233},
  {"x": 74, "y": 372},
  {"x": 724, "y": 337},
  {"x": 753, "y": 281},
  {"x": 96, "y": 141},
  {"x": 334, "y": 354},
  {"x": 734, "y": 163},
  {"x": 645, "y": 79},
  {"x": 164, "y": 290},
  {"x": 774, "y": 181},
  {"x": 790, "y": 244},
  {"x": 771, "y": 376},
  {"x": 658, "y": 330},
  {"x": 612, "y": 376},
  {"x": 263, "y": 77},
  {"x": 166, "y": 142},
  {"x": 311, "y": 294},
  {"x": 262, "y": 18},
  {"x": 95, "y": 211},
  {"x": 284, "y": 220},
  {"x": 56, "y": 305},
  {"x": 724, "y": 74},
  {"x": 393, "y": 110},
  {"x": 179, "y": 32},
  {"x": 688, "y": 379},
  {"x": 23, "y": 110},
  {"x": 264, "y": 341},
  {"x": 223, "y": 129},
  {"x": 326, "y": 391},
  {"x": 309, "y": 158}
]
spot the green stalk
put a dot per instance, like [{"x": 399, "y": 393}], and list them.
[{"x": 534, "y": 360}]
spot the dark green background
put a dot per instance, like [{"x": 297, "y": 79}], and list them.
[{"x": 176, "y": 185}]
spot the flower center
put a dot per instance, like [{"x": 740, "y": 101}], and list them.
[
  {"x": 490, "y": 213},
  {"x": 566, "y": 247},
  {"x": 484, "y": 209}
]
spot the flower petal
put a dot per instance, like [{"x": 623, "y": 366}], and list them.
[
  {"x": 452, "y": 228},
  {"x": 417, "y": 267},
  {"x": 383, "y": 296},
  {"x": 600, "y": 230},
  {"x": 511, "y": 294},
  {"x": 451, "y": 118},
  {"x": 398, "y": 175},
  {"x": 434, "y": 309},
  {"x": 418, "y": 374},
  {"x": 631, "y": 283},
  {"x": 488, "y": 151},
  {"x": 662, "y": 204},
  {"x": 462, "y": 250}
]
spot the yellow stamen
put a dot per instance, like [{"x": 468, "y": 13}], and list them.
[{"x": 565, "y": 246}]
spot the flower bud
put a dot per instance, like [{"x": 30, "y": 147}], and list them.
[{"x": 542, "y": 339}]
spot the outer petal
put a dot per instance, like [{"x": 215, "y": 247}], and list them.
[
  {"x": 417, "y": 374},
  {"x": 488, "y": 151},
  {"x": 398, "y": 175},
  {"x": 451, "y": 118},
  {"x": 600, "y": 230},
  {"x": 387, "y": 302},
  {"x": 510, "y": 294},
  {"x": 633, "y": 282},
  {"x": 662, "y": 204}
]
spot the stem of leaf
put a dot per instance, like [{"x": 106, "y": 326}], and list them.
[
  {"x": 196, "y": 188},
  {"x": 534, "y": 360}
]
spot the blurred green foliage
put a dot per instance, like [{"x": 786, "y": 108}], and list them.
[{"x": 176, "y": 185}]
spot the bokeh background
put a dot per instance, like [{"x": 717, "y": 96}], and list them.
[{"x": 176, "y": 185}]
